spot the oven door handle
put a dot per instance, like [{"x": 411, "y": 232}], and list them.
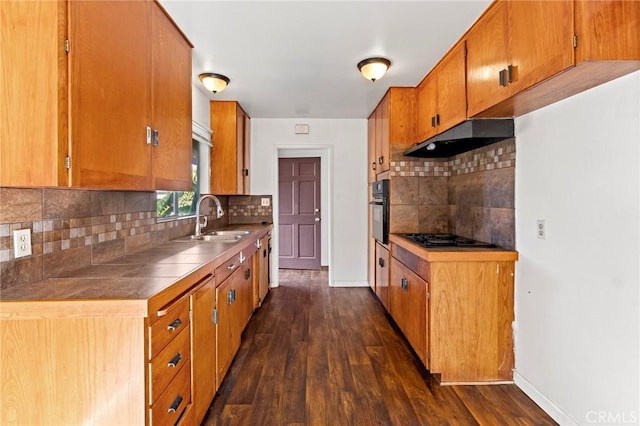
[{"x": 376, "y": 203}]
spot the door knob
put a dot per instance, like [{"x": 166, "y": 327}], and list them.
[
  {"x": 316, "y": 210},
  {"x": 317, "y": 219}
]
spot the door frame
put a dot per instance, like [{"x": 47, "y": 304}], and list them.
[{"x": 325, "y": 152}]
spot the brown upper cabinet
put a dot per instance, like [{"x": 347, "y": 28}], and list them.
[
  {"x": 394, "y": 123},
  {"x": 442, "y": 96},
  {"x": 114, "y": 107},
  {"x": 230, "y": 152},
  {"x": 517, "y": 46}
]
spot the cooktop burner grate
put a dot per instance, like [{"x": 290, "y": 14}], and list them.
[{"x": 445, "y": 240}]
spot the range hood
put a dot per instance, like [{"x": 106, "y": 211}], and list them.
[{"x": 468, "y": 135}]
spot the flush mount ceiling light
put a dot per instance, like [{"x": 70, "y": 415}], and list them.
[
  {"x": 374, "y": 68},
  {"x": 214, "y": 82}
]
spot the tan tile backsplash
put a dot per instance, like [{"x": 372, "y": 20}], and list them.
[
  {"x": 73, "y": 228},
  {"x": 471, "y": 194}
]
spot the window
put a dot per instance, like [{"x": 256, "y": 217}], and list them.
[{"x": 177, "y": 204}]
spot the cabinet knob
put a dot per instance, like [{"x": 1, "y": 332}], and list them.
[
  {"x": 175, "y": 324},
  {"x": 156, "y": 138},
  {"x": 381, "y": 262},
  {"x": 247, "y": 274},
  {"x": 373, "y": 165},
  {"x": 510, "y": 73},
  {"x": 404, "y": 283},
  {"x": 433, "y": 121},
  {"x": 380, "y": 160}
]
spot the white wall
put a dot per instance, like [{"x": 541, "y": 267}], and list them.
[
  {"x": 343, "y": 144},
  {"x": 577, "y": 292}
]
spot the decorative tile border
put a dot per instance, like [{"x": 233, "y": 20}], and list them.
[
  {"x": 250, "y": 210},
  {"x": 495, "y": 156}
]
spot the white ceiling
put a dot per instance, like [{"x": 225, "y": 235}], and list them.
[{"x": 296, "y": 59}]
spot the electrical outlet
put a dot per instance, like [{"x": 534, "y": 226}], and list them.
[
  {"x": 22, "y": 243},
  {"x": 542, "y": 231},
  {"x": 265, "y": 202}
]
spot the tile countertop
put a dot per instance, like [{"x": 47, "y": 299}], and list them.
[
  {"x": 454, "y": 254},
  {"x": 132, "y": 285}
]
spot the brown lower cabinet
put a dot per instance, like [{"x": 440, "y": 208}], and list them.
[
  {"x": 456, "y": 314},
  {"x": 154, "y": 361},
  {"x": 382, "y": 274}
]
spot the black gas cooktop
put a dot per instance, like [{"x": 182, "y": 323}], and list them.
[{"x": 445, "y": 240}]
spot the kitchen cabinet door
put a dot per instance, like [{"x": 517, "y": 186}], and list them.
[
  {"x": 442, "y": 96},
  {"x": 110, "y": 94},
  {"x": 371, "y": 148},
  {"x": 382, "y": 274},
  {"x": 408, "y": 306},
  {"x": 540, "y": 41},
  {"x": 171, "y": 106},
  {"x": 607, "y": 30},
  {"x": 229, "y": 164},
  {"x": 245, "y": 294},
  {"x": 33, "y": 133},
  {"x": 203, "y": 348},
  {"x": 452, "y": 89},
  {"x": 263, "y": 271},
  {"x": 227, "y": 335},
  {"x": 383, "y": 136},
  {"x": 486, "y": 58},
  {"x": 426, "y": 104}
]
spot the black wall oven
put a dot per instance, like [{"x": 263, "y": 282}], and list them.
[{"x": 380, "y": 211}]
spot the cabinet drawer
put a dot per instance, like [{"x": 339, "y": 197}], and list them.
[
  {"x": 173, "y": 401},
  {"x": 168, "y": 326},
  {"x": 224, "y": 270},
  {"x": 164, "y": 367}
]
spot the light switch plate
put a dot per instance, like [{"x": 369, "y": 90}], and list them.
[
  {"x": 22, "y": 243},
  {"x": 265, "y": 202}
]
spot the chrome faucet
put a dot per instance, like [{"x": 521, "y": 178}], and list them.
[{"x": 219, "y": 213}]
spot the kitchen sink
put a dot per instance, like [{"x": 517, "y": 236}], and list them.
[{"x": 228, "y": 237}]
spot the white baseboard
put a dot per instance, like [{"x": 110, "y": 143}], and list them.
[
  {"x": 350, "y": 284},
  {"x": 549, "y": 407}
]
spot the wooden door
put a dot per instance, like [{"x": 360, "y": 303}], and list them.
[
  {"x": 383, "y": 147},
  {"x": 263, "y": 273},
  {"x": 299, "y": 212},
  {"x": 227, "y": 335},
  {"x": 371, "y": 148},
  {"x": 452, "y": 89},
  {"x": 225, "y": 171},
  {"x": 110, "y": 94},
  {"x": 240, "y": 146},
  {"x": 607, "y": 30},
  {"x": 426, "y": 98},
  {"x": 408, "y": 305},
  {"x": 171, "y": 104},
  {"x": 486, "y": 57},
  {"x": 32, "y": 35},
  {"x": 203, "y": 348},
  {"x": 382, "y": 274},
  {"x": 540, "y": 41}
]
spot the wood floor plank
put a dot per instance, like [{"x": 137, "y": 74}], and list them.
[{"x": 316, "y": 355}]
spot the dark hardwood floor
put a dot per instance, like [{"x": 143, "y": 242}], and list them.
[{"x": 315, "y": 355}]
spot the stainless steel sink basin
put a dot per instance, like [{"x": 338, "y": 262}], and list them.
[{"x": 228, "y": 237}]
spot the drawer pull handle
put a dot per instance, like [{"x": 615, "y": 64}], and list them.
[
  {"x": 404, "y": 283},
  {"x": 231, "y": 267},
  {"x": 175, "y": 324},
  {"x": 175, "y": 404},
  {"x": 175, "y": 360}
]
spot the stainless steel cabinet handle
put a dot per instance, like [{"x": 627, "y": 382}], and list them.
[
  {"x": 231, "y": 267},
  {"x": 175, "y": 324},
  {"x": 156, "y": 138},
  {"x": 404, "y": 283},
  {"x": 173, "y": 362},
  {"x": 373, "y": 165},
  {"x": 381, "y": 262},
  {"x": 510, "y": 73},
  {"x": 148, "y": 135},
  {"x": 501, "y": 78}
]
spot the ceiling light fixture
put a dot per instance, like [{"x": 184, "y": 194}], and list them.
[
  {"x": 374, "y": 68},
  {"x": 214, "y": 82}
]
